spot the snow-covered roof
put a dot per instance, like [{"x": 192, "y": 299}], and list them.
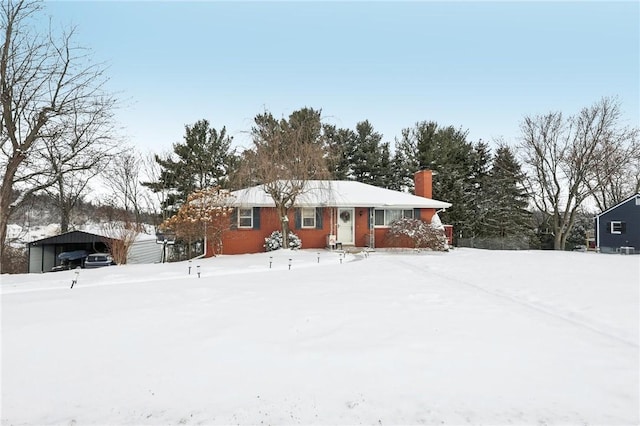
[{"x": 339, "y": 193}]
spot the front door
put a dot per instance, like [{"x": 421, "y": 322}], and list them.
[{"x": 346, "y": 228}]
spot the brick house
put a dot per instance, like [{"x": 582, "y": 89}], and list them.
[{"x": 328, "y": 214}]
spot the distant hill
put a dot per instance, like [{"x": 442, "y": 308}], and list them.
[{"x": 38, "y": 218}]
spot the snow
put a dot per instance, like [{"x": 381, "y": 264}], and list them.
[
  {"x": 465, "y": 337},
  {"x": 338, "y": 193}
]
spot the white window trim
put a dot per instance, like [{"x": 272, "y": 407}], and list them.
[
  {"x": 616, "y": 222},
  {"x": 302, "y": 217},
  {"x": 245, "y": 217},
  {"x": 386, "y": 223}
]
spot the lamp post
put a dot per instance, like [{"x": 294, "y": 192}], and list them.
[
  {"x": 198, "y": 269},
  {"x": 270, "y": 261},
  {"x": 289, "y": 264},
  {"x": 75, "y": 280}
]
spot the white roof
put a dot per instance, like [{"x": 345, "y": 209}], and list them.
[{"x": 339, "y": 193}]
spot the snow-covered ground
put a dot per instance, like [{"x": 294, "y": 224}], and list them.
[{"x": 466, "y": 337}]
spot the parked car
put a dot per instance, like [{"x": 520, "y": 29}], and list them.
[
  {"x": 70, "y": 260},
  {"x": 98, "y": 260}
]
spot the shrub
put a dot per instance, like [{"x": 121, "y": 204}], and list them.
[
  {"x": 15, "y": 260},
  {"x": 418, "y": 234},
  {"x": 274, "y": 241}
]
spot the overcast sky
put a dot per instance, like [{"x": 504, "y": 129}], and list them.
[{"x": 480, "y": 66}]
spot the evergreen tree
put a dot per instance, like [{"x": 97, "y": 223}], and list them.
[
  {"x": 338, "y": 143},
  {"x": 507, "y": 199},
  {"x": 369, "y": 158},
  {"x": 402, "y": 170},
  {"x": 457, "y": 165},
  {"x": 364, "y": 153},
  {"x": 479, "y": 187},
  {"x": 382, "y": 170},
  {"x": 203, "y": 160}
]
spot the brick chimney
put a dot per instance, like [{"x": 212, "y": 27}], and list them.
[{"x": 422, "y": 180}]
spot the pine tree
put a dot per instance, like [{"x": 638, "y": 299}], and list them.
[
  {"x": 399, "y": 172},
  {"x": 382, "y": 171},
  {"x": 507, "y": 214},
  {"x": 455, "y": 164},
  {"x": 204, "y": 160},
  {"x": 338, "y": 143},
  {"x": 479, "y": 187},
  {"x": 364, "y": 153}
]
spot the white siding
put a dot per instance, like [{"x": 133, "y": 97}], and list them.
[{"x": 145, "y": 251}]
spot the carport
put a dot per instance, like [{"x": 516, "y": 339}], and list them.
[{"x": 43, "y": 254}]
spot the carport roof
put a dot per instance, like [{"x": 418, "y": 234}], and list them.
[{"x": 71, "y": 237}]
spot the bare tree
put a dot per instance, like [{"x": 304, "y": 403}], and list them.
[
  {"x": 76, "y": 155},
  {"x": 122, "y": 234},
  {"x": 45, "y": 81},
  {"x": 124, "y": 178},
  {"x": 616, "y": 174},
  {"x": 153, "y": 200},
  {"x": 285, "y": 156},
  {"x": 563, "y": 155}
]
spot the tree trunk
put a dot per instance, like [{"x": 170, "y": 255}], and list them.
[
  {"x": 284, "y": 222},
  {"x": 6, "y": 192},
  {"x": 4, "y": 220},
  {"x": 558, "y": 240}
]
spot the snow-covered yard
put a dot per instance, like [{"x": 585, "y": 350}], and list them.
[{"x": 466, "y": 337}]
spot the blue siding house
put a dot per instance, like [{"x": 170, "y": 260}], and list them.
[{"x": 618, "y": 228}]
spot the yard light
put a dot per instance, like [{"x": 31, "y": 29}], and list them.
[
  {"x": 318, "y": 257},
  {"x": 341, "y": 258},
  {"x": 189, "y": 267},
  {"x": 270, "y": 261},
  {"x": 289, "y": 264},
  {"x": 198, "y": 269},
  {"x": 75, "y": 280}
]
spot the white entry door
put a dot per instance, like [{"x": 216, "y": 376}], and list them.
[{"x": 346, "y": 228}]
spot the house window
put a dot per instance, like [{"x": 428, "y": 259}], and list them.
[
  {"x": 617, "y": 227},
  {"x": 245, "y": 218},
  {"x": 308, "y": 217},
  {"x": 388, "y": 216}
]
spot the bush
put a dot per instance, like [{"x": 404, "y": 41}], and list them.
[
  {"x": 408, "y": 232},
  {"x": 15, "y": 261},
  {"x": 274, "y": 241}
]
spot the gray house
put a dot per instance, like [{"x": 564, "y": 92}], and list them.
[{"x": 618, "y": 228}]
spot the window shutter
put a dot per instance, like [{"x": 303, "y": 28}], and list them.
[
  {"x": 318, "y": 217},
  {"x": 416, "y": 213},
  {"x": 234, "y": 218},
  {"x": 256, "y": 217},
  {"x": 369, "y": 212},
  {"x": 298, "y": 218},
  {"x": 608, "y": 227},
  {"x": 623, "y": 226}
]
